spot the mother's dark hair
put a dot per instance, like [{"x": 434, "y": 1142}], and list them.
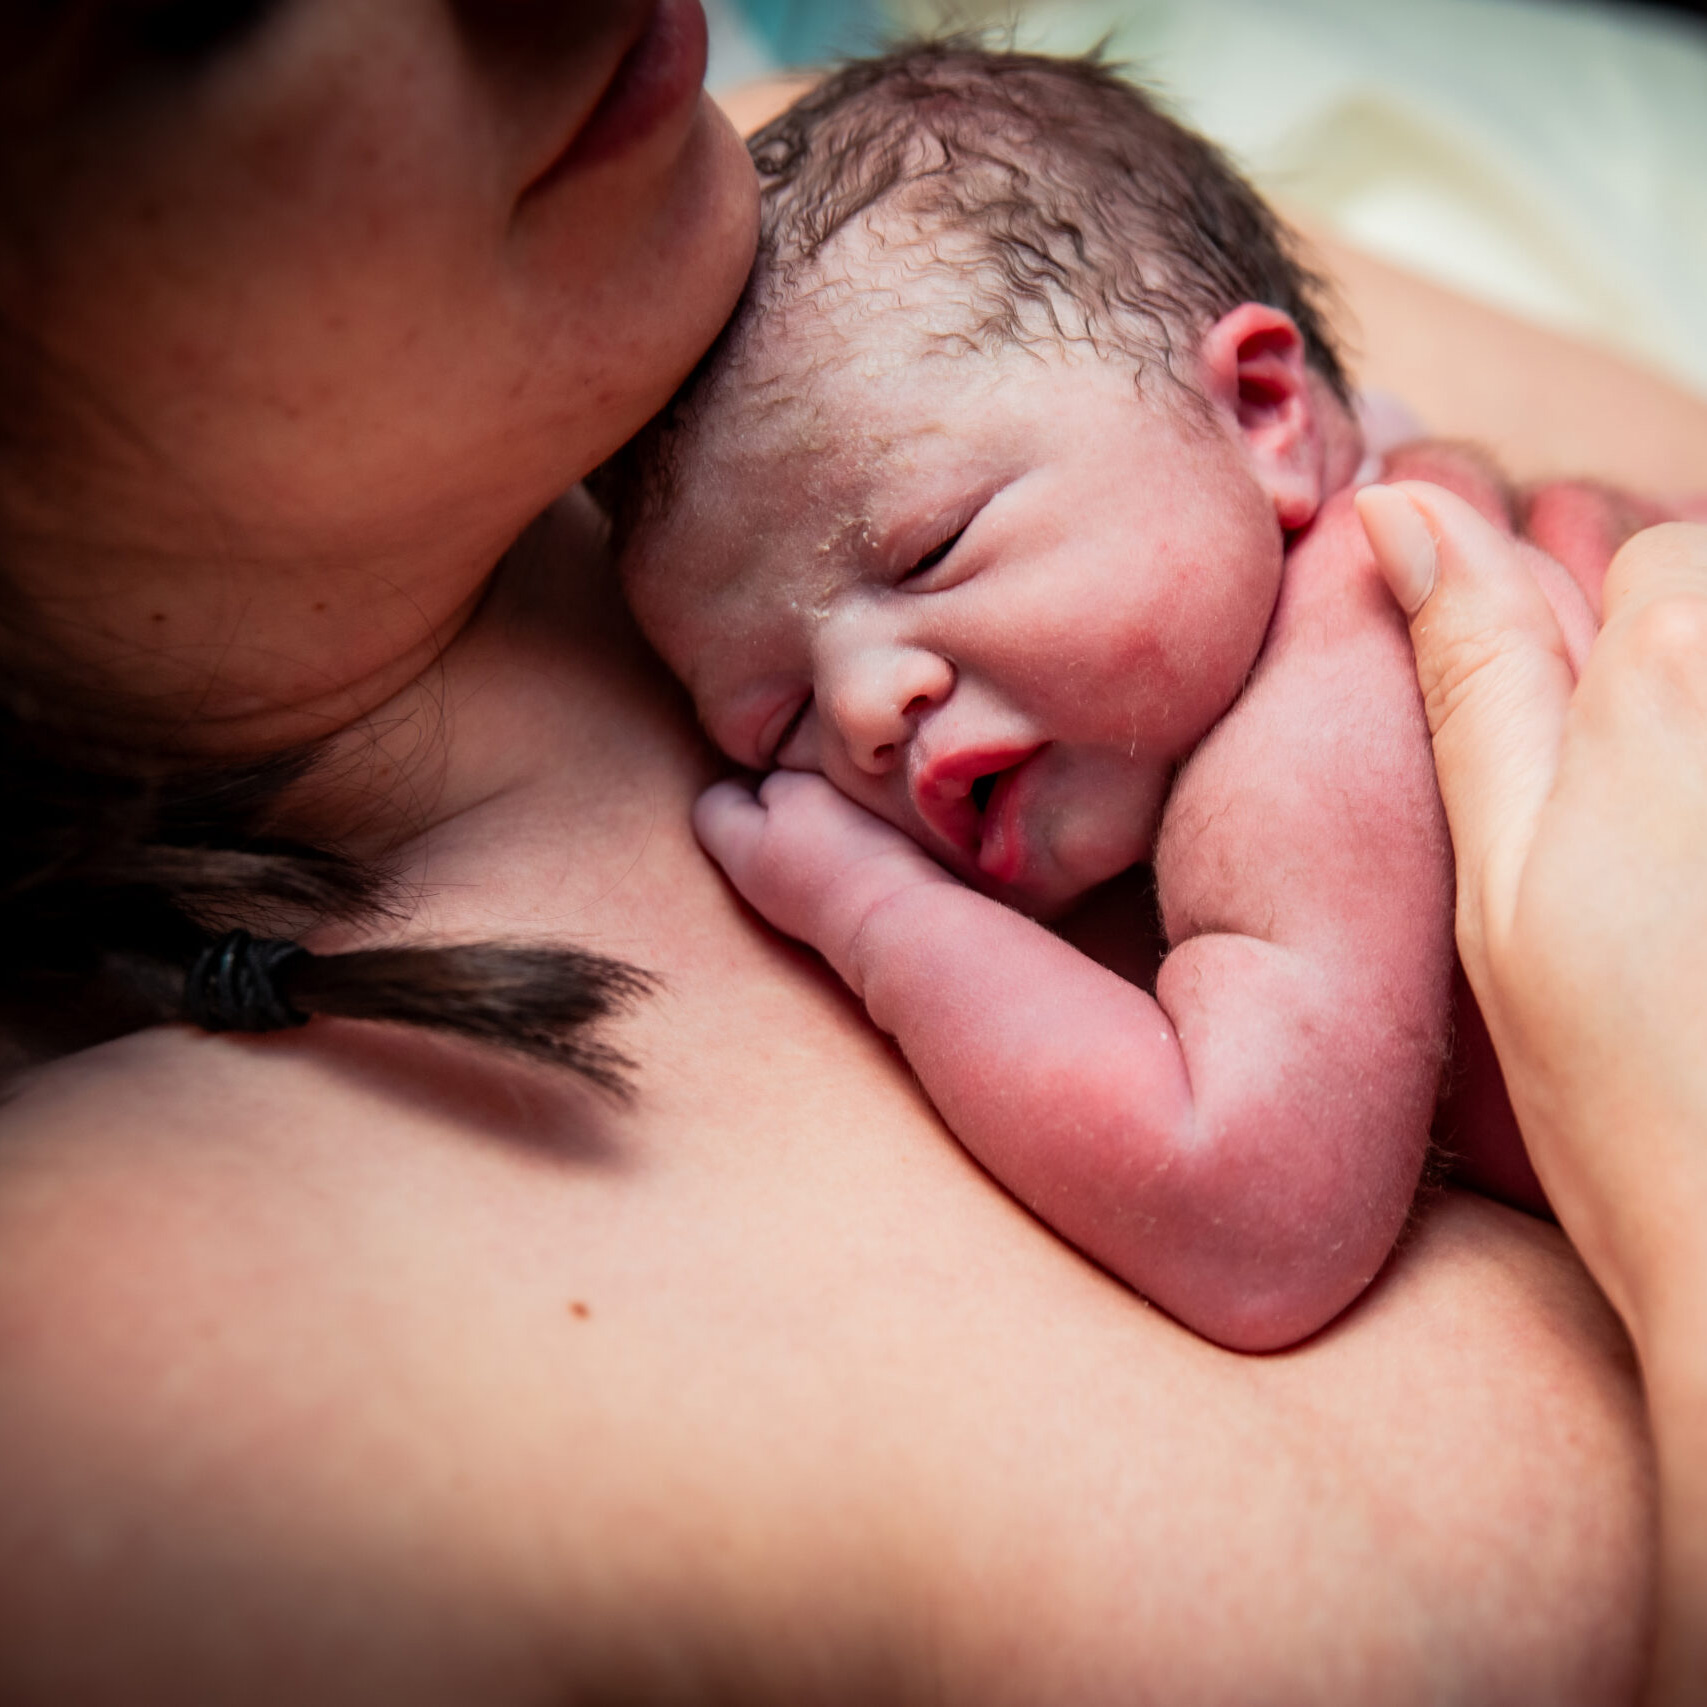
[{"x": 120, "y": 871}]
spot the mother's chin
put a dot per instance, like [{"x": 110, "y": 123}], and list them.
[{"x": 665, "y": 279}]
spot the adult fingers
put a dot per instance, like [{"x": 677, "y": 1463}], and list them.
[
  {"x": 1661, "y": 562},
  {"x": 1639, "y": 724},
  {"x": 1496, "y": 682}
]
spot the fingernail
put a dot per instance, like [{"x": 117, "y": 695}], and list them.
[{"x": 1404, "y": 546}]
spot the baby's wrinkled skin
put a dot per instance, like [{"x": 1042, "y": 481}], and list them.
[{"x": 1040, "y": 620}]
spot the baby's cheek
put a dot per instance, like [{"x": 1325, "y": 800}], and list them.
[
  {"x": 1220, "y": 638},
  {"x": 884, "y": 796},
  {"x": 1208, "y": 679},
  {"x": 1121, "y": 831}
]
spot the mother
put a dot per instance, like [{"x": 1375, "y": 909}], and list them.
[{"x": 353, "y": 1364}]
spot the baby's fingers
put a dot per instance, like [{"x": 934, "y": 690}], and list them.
[
  {"x": 757, "y": 840},
  {"x": 730, "y": 823},
  {"x": 1496, "y": 682}
]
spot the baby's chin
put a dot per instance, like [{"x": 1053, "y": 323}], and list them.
[{"x": 1052, "y": 894}]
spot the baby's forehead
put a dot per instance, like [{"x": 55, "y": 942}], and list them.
[
  {"x": 877, "y": 305},
  {"x": 825, "y": 393},
  {"x": 853, "y": 319},
  {"x": 750, "y": 460},
  {"x": 833, "y": 390},
  {"x": 884, "y": 292},
  {"x": 776, "y": 454}
]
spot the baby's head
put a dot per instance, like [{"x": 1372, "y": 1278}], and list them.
[{"x": 979, "y": 504}]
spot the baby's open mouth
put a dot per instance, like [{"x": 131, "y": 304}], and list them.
[{"x": 965, "y": 799}]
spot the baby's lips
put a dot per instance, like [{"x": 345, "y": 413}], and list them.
[
  {"x": 942, "y": 792},
  {"x": 1002, "y": 851}
]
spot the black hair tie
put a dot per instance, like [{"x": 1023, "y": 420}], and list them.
[{"x": 233, "y": 985}]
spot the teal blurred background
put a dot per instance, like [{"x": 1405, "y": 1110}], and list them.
[{"x": 797, "y": 32}]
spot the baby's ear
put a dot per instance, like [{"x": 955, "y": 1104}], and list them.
[{"x": 1252, "y": 366}]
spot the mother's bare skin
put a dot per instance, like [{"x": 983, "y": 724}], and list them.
[{"x": 444, "y": 1382}]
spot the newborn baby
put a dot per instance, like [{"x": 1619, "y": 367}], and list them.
[{"x": 1010, "y": 527}]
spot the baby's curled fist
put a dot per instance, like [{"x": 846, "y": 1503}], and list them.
[{"x": 811, "y": 861}]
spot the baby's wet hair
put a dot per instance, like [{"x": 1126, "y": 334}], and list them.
[{"x": 1073, "y": 207}]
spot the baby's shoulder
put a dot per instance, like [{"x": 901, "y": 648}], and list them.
[
  {"x": 1470, "y": 470},
  {"x": 1329, "y": 565}
]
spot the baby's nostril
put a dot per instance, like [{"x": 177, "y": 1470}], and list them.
[{"x": 884, "y": 751}]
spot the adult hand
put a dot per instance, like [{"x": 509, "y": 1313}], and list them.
[{"x": 1578, "y": 812}]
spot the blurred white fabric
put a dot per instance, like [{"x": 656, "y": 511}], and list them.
[{"x": 1546, "y": 156}]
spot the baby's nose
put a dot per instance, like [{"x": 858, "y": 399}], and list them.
[{"x": 878, "y": 698}]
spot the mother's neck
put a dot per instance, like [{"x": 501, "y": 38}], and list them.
[
  {"x": 501, "y": 710},
  {"x": 190, "y": 638}
]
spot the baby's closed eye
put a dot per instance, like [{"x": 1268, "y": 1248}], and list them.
[
  {"x": 934, "y": 556},
  {"x": 775, "y": 749}
]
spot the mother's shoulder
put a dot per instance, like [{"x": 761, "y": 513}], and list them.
[{"x": 437, "y": 1363}]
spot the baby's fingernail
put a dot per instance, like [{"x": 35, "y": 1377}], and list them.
[{"x": 1404, "y": 546}]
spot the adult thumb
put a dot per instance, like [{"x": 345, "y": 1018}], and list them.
[{"x": 1496, "y": 682}]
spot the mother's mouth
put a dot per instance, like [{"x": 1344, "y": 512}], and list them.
[{"x": 659, "y": 74}]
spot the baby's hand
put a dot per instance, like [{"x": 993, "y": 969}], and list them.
[{"x": 812, "y": 862}]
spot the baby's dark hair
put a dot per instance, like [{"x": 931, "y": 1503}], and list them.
[{"x": 1073, "y": 206}]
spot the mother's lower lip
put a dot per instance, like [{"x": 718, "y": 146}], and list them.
[{"x": 657, "y": 77}]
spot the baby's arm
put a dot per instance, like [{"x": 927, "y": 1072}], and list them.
[
  {"x": 1243, "y": 1147},
  {"x": 1583, "y": 523}
]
